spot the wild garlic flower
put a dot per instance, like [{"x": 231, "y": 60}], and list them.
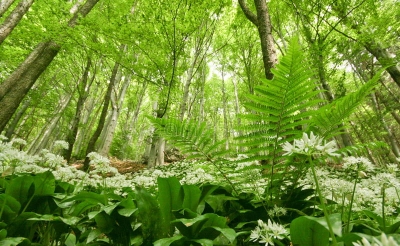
[
  {"x": 384, "y": 241},
  {"x": 60, "y": 144},
  {"x": 19, "y": 141},
  {"x": 392, "y": 168},
  {"x": 357, "y": 164},
  {"x": 309, "y": 145},
  {"x": 267, "y": 232},
  {"x": 277, "y": 211}
]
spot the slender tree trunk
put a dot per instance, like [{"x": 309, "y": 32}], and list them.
[
  {"x": 17, "y": 117},
  {"x": 83, "y": 90},
  {"x": 263, "y": 23},
  {"x": 92, "y": 142},
  {"x": 131, "y": 122},
  {"x": 4, "y": 5},
  {"x": 116, "y": 103},
  {"x": 225, "y": 111},
  {"x": 395, "y": 148},
  {"x": 17, "y": 85},
  {"x": 43, "y": 138},
  {"x": 13, "y": 19}
]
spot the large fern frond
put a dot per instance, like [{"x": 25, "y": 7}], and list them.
[
  {"x": 327, "y": 119},
  {"x": 191, "y": 138},
  {"x": 280, "y": 107}
]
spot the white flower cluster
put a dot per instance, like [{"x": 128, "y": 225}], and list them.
[
  {"x": 267, "y": 232},
  {"x": 357, "y": 164},
  {"x": 277, "y": 211},
  {"x": 101, "y": 164},
  {"x": 384, "y": 241},
  {"x": 309, "y": 145}
]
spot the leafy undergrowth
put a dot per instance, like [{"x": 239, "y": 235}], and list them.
[{"x": 43, "y": 201}]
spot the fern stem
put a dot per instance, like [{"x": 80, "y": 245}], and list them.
[{"x": 321, "y": 198}]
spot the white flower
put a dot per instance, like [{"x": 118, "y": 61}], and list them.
[
  {"x": 267, "y": 232},
  {"x": 310, "y": 145},
  {"x": 61, "y": 144},
  {"x": 357, "y": 163},
  {"x": 385, "y": 241}
]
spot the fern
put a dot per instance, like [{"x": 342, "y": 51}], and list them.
[
  {"x": 327, "y": 119},
  {"x": 193, "y": 139},
  {"x": 280, "y": 107}
]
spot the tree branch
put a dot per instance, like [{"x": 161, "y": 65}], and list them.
[{"x": 247, "y": 12}]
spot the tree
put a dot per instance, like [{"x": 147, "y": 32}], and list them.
[
  {"x": 17, "y": 85},
  {"x": 263, "y": 23}
]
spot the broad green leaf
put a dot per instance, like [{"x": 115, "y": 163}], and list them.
[
  {"x": 3, "y": 233},
  {"x": 21, "y": 188},
  {"x": 191, "y": 197},
  {"x": 203, "y": 241},
  {"x": 89, "y": 197},
  {"x": 93, "y": 234},
  {"x": 104, "y": 222},
  {"x": 170, "y": 197},
  {"x": 167, "y": 241},
  {"x": 229, "y": 233},
  {"x": 45, "y": 184},
  {"x": 12, "y": 241},
  {"x": 71, "y": 240},
  {"x": 308, "y": 232}
]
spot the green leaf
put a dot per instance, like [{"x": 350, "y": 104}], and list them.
[
  {"x": 170, "y": 197},
  {"x": 3, "y": 233},
  {"x": 93, "y": 234},
  {"x": 12, "y": 241},
  {"x": 45, "y": 184},
  {"x": 21, "y": 188},
  {"x": 167, "y": 241},
  {"x": 104, "y": 222},
  {"x": 305, "y": 231},
  {"x": 203, "y": 241},
  {"x": 191, "y": 197},
  {"x": 229, "y": 233},
  {"x": 71, "y": 240}
]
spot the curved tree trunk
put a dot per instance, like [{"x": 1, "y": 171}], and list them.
[
  {"x": 263, "y": 23},
  {"x": 17, "y": 85},
  {"x": 13, "y": 19}
]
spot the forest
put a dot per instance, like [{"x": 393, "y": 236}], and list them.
[{"x": 238, "y": 122}]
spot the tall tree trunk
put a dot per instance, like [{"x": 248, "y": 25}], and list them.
[
  {"x": 83, "y": 91},
  {"x": 42, "y": 139},
  {"x": 116, "y": 104},
  {"x": 17, "y": 85},
  {"x": 131, "y": 121},
  {"x": 4, "y": 5},
  {"x": 263, "y": 23},
  {"x": 13, "y": 19},
  {"x": 17, "y": 117},
  {"x": 92, "y": 142},
  {"x": 390, "y": 137}
]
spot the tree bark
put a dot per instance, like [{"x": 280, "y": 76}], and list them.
[
  {"x": 17, "y": 85},
  {"x": 263, "y": 23},
  {"x": 116, "y": 104},
  {"x": 43, "y": 138},
  {"x": 17, "y": 117},
  {"x": 13, "y": 19},
  {"x": 383, "y": 57},
  {"x": 4, "y": 5},
  {"x": 92, "y": 142},
  {"x": 83, "y": 91}
]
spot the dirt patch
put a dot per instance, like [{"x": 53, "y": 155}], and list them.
[{"x": 126, "y": 166}]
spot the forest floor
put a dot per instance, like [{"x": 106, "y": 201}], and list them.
[{"x": 127, "y": 166}]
